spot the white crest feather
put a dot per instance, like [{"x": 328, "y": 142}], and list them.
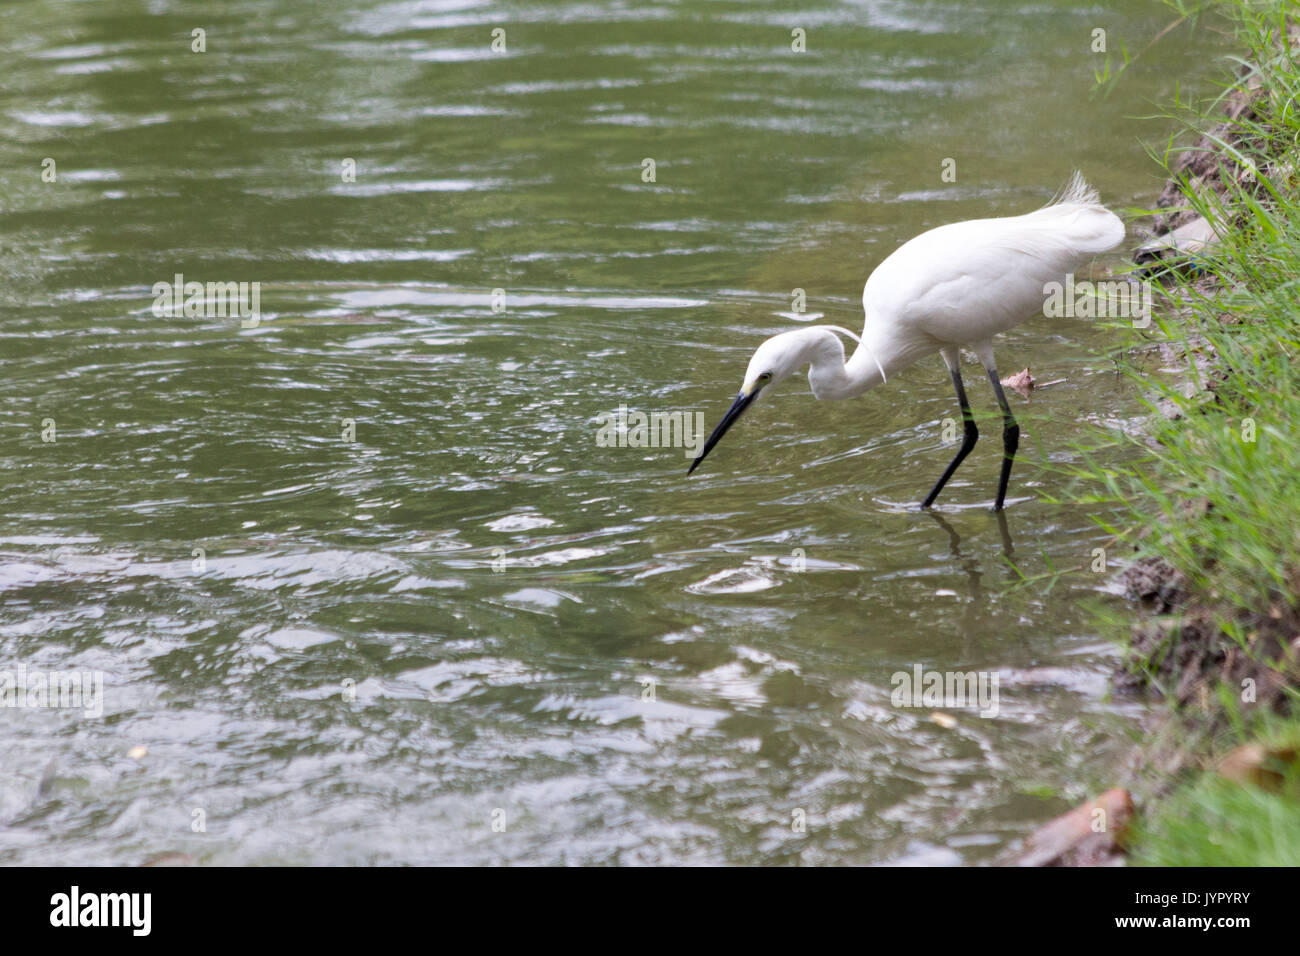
[
  {"x": 1076, "y": 191},
  {"x": 837, "y": 328}
]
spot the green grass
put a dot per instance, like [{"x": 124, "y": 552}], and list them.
[
  {"x": 1216, "y": 822},
  {"x": 1216, "y": 491}
]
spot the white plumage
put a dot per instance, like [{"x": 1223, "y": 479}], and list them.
[{"x": 955, "y": 286}]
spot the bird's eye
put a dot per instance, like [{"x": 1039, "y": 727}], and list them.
[{"x": 765, "y": 377}]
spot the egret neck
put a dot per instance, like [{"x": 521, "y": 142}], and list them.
[{"x": 832, "y": 378}]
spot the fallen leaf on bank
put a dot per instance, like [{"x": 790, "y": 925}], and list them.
[
  {"x": 1265, "y": 767},
  {"x": 1089, "y": 835},
  {"x": 1022, "y": 382}
]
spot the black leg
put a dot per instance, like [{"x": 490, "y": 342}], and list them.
[
  {"x": 1008, "y": 546},
  {"x": 1010, "y": 438},
  {"x": 968, "y": 438}
]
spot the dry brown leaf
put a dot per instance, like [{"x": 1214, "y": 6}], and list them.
[
  {"x": 1265, "y": 767},
  {"x": 1022, "y": 382},
  {"x": 1089, "y": 835}
]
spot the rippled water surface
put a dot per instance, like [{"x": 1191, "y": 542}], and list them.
[{"x": 366, "y": 651}]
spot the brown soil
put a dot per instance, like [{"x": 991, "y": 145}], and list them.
[
  {"x": 1178, "y": 646},
  {"x": 1208, "y": 166}
]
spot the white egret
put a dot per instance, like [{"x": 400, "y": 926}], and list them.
[{"x": 953, "y": 287}]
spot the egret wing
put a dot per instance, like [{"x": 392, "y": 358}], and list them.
[{"x": 963, "y": 283}]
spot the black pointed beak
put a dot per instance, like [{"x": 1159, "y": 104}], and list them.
[{"x": 737, "y": 409}]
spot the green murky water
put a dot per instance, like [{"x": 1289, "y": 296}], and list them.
[{"x": 367, "y": 651}]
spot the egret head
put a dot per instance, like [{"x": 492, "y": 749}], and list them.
[{"x": 774, "y": 360}]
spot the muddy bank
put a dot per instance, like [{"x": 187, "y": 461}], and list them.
[
  {"x": 1178, "y": 646},
  {"x": 1215, "y": 575}
]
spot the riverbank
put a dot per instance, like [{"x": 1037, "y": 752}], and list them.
[{"x": 1212, "y": 503}]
